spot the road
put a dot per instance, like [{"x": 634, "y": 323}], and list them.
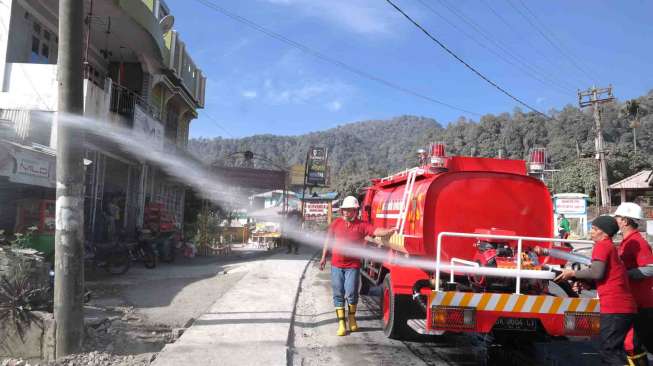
[{"x": 315, "y": 342}]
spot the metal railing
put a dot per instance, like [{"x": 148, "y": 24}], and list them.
[
  {"x": 123, "y": 102},
  {"x": 519, "y": 271}
]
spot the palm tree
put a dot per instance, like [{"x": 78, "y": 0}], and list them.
[{"x": 634, "y": 111}]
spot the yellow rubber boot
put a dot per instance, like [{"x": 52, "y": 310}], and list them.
[
  {"x": 342, "y": 327},
  {"x": 352, "y": 318},
  {"x": 638, "y": 360}
]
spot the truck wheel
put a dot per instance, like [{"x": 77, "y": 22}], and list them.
[{"x": 394, "y": 321}]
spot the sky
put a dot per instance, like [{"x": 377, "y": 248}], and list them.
[{"x": 541, "y": 52}]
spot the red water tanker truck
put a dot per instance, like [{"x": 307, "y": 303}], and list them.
[{"x": 474, "y": 222}]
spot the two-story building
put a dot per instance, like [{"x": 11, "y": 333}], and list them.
[{"x": 138, "y": 74}]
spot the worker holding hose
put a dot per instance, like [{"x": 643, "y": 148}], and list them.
[
  {"x": 345, "y": 270},
  {"x": 636, "y": 255},
  {"x": 618, "y": 306}
]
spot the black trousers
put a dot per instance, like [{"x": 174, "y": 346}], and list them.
[
  {"x": 644, "y": 329},
  {"x": 613, "y": 333}
]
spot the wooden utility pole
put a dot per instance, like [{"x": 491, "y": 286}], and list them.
[
  {"x": 594, "y": 97},
  {"x": 69, "y": 237}
]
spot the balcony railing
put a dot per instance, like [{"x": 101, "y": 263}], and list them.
[{"x": 124, "y": 100}]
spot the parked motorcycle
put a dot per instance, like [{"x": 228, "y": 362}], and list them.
[
  {"x": 113, "y": 257},
  {"x": 144, "y": 250}
]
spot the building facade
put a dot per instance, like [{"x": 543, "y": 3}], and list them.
[{"x": 138, "y": 74}]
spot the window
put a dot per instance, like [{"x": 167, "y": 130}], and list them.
[{"x": 44, "y": 44}]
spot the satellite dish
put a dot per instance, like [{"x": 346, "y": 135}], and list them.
[{"x": 166, "y": 23}]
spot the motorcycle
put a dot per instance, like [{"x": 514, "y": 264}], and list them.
[
  {"x": 112, "y": 257},
  {"x": 144, "y": 250}
]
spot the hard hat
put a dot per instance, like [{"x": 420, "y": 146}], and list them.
[
  {"x": 349, "y": 202},
  {"x": 629, "y": 209}
]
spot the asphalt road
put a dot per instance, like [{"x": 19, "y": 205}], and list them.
[{"x": 315, "y": 341}]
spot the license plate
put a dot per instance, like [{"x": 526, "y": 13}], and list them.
[{"x": 522, "y": 324}]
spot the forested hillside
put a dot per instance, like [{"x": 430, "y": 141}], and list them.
[{"x": 363, "y": 150}]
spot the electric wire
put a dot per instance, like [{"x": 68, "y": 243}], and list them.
[
  {"x": 541, "y": 30},
  {"x": 520, "y": 35},
  {"x": 312, "y": 52},
  {"x": 467, "y": 65},
  {"x": 504, "y": 48},
  {"x": 518, "y": 63}
]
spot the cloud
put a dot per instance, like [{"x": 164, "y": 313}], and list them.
[
  {"x": 307, "y": 91},
  {"x": 249, "y": 94},
  {"x": 360, "y": 16},
  {"x": 334, "y": 106},
  {"x": 540, "y": 100}
]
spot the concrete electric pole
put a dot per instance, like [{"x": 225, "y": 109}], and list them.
[
  {"x": 69, "y": 237},
  {"x": 594, "y": 97}
]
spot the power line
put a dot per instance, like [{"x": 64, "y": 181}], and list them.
[
  {"x": 518, "y": 62},
  {"x": 521, "y": 37},
  {"x": 542, "y": 30},
  {"x": 470, "y": 67},
  {"x": 328, "y": 59},
  {"x": 488, "y": 36},
  {"x": 218, "y": 124}
]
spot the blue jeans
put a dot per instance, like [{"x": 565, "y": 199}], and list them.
[{"x": 344, "y": 282}]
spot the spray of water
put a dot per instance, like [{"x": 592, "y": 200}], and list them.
[{"x": 212, "y": 187}]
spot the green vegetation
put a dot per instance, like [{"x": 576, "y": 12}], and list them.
[{"x": 364, "y": 150}]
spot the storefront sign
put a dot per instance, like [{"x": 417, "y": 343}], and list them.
[
  {"x": 147, "y": 126},
  {"x": 316, "y": 166},
  {"x": 570, "y": 205},
  {"x": 297, "y": 175},
  {"x": 316, "y": 211},
  {"x": 34, "y": 168},
  {"x": 6, "y": 161}
]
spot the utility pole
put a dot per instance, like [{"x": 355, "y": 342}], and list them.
[
  {"x": 69, "y": 237},
  {"x": 594, "y": 97}
]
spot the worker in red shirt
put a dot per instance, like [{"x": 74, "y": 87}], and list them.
[
  {"x": 618, "y": 306},
  {"x": 344, "y": 232},
  {"x": 635, "y": 252}
]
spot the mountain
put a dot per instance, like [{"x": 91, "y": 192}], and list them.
[{"x": 363, "y": 150}]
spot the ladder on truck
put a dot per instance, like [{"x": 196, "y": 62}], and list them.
[{"x": 405, "y": 200}]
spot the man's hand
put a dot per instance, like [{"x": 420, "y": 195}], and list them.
[
  {"x": 540, "y": 251},
  {"x": 322, "y": 263},
  {"x": 384, "y": 232},
  {"x": 565, "y": 275}
]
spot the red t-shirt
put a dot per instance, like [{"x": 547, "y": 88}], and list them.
[
  {"x": 613, "y": 289},
  {"x": 343, "y": 233},
  {"x": 635, "y": 252}
]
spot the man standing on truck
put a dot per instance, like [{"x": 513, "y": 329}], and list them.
[
  {"x": 636, "y": 254},
  {"x": 343, "y": 232},
  {"x": 618, "y": 306}
]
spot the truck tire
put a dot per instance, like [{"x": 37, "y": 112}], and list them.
[{"x": 392, "y": 311}]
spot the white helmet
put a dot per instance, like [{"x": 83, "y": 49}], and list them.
[
  {"x": 631, "y": 210},
  {"x": 349, "y": 202}
]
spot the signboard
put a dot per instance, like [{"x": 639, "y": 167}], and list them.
[
  {"x": 574, "y": 206},
  {"x": 34, "y": 168},
  {"x": 316, "y": 166},
  {"x": 148, "y": 127},
  {"x": 297, "y": 175},
  {"x": 316, "y": 211},
  {"x": 6, "y": 161}
]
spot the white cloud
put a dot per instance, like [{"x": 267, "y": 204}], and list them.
[
  {"x": 539, "y": 100},
  {"x": 249, "y": 94},
  {"x": 307, "y": 91},
  {"x": 334, "y": 106},
  {"x": 359, "y": 16}
]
